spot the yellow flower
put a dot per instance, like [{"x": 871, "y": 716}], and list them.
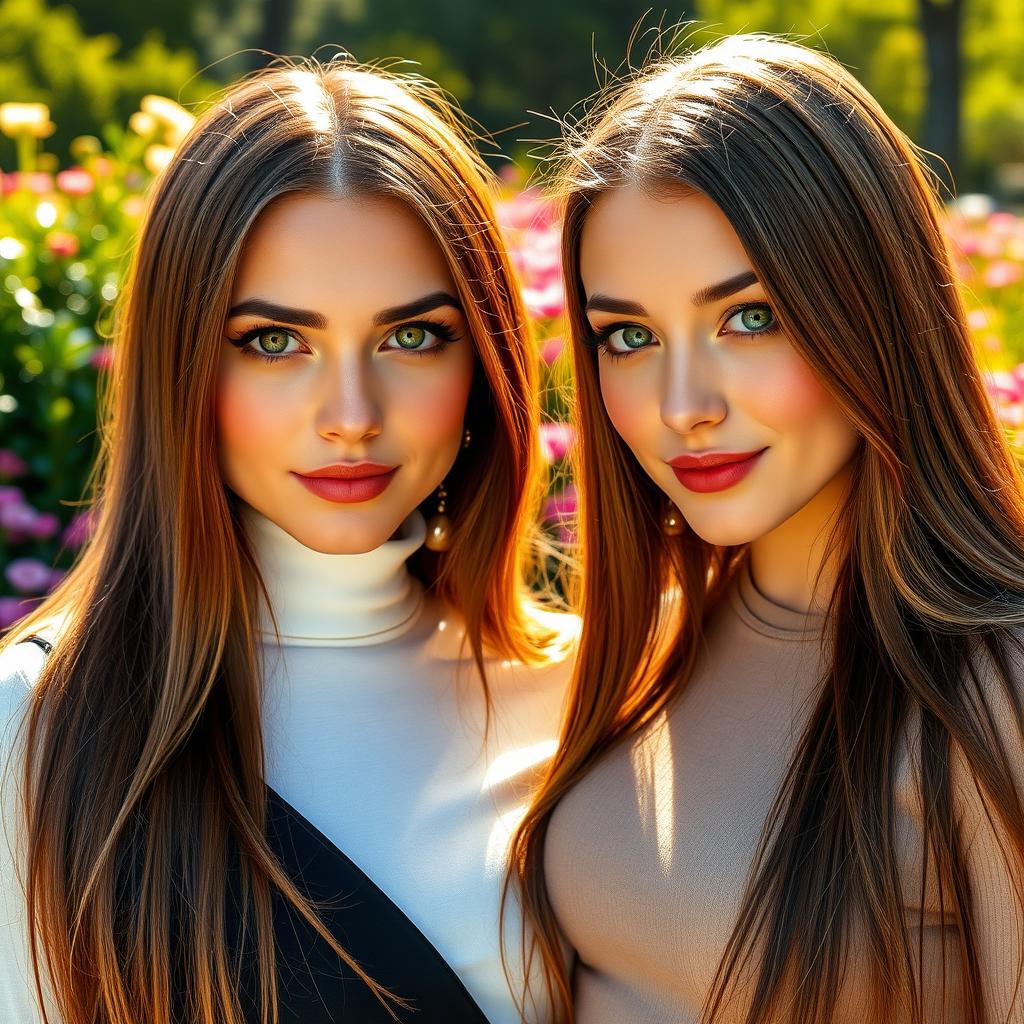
[
  {"x": 174, "y": 117},
  {"x": 142, "y": 124},
  {"x": 157, "y": 157},
  {"x": 31, "y": 119}
]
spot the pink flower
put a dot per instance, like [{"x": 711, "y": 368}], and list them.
[
  {"x": 78, "y": 531},
  {"x": 75, "y": 181},
  {"x": 46, "y": 525},
  {"x": 555, "y": 440},
  {"x": 978, "y": 319},
  {"x": 561, "y": 506},
  {"x": 28, "y": 575},
  {"x": 545, "y": 303},
  {"x": 1003, "y": 386},
  {"x": 1002, "y": 223},
  {"x": 1011, "y": 415},
  {"x": 14, "y": 608},
  {"x": 1001, "y": 273},
  {"x": 102, "y": 357},
  {"x": 11, "y": 464},
  {"x": 38, "y": 182},
  {"x": 56, "y": 575},
  {"x": 551, "y": 349},
  {"x": 529, "y": 209},
  {"x": 62, "y": 244},
  {"x": 560, "y": 509},
  {"x": 511, "y": 174},
  {"x": 11, "y": 495}
]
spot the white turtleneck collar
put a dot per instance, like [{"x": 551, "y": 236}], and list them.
[{"x": 324, "y": 600}]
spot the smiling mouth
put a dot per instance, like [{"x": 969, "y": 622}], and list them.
[{"x": 714, "y": 471}]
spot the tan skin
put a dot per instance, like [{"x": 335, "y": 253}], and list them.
[
  {"x": 346, "y": 376},
  {"x": 693, "y": 375}
]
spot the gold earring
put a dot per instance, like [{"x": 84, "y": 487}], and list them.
[
  {"x": 671, "y": 521},
  {"x": 439, "y": 527},
  {"x": 466, "y": 438}
]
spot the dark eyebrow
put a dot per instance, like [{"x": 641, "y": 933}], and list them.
[
  {"x": 606, "y": 304},
  {"x": 309, "y": 318},
  {"x": 435, "y": 300},
  {"x": 286, "y": 314},
  {"x": 715, "y": 292}
]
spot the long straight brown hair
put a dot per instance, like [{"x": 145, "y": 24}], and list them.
[
  {"x": 840, "y": 220},
  {"x": 143, "y": 765}
]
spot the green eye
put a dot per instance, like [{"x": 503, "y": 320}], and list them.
[
  {"x": 410, "y": 337},
  {"x": 273, "y": 341},
  {"x": 636, "y": 336},
  {"x": 753, "y": 319}
]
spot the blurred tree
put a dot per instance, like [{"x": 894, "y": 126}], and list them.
[
  {"x": 941, "y": 25},
  {"x": 132, "y": 22},
  {"x": 46, "y": 56}
]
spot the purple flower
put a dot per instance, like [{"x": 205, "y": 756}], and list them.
[
  {"x": 46, "y": 525},
  {"x": 11, "y": 496},
  {"x": 28, "y": 575},
  {"x": 18, "y": 517},
  {"x": 11, "y": 464},
  {"x": 14, "y": 608},
  {"x": 556, "y": 439}
]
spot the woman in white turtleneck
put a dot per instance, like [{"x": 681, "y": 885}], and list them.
[
  {"x": 371, "y": 682},
  {"x": 265, "y": 744}
]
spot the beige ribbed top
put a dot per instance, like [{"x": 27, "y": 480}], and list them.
[{"x": 647, "y": 857}]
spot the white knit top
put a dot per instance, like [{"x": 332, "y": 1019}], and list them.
[{"x": 374, "y": 730}]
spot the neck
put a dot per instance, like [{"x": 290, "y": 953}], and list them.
[
  {"x": 794, "y": 565},
  {"x": 327, "y": 600}
]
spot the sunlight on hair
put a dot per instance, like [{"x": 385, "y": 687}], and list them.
[
  {"x": 314, "y": 100},
  {"x": 499, "y": 840},
  {"x": 653, "y": 774}
]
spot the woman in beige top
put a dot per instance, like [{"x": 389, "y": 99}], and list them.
[{"x": 789, "y": 788}]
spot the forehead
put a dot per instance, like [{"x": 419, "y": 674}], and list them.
[
  {"x": 340, "y": 255},
  {"x": 634, "y": 244}
]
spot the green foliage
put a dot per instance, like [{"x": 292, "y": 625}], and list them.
[
  {"x": 46, "y": 57},
  {"x": 64, "y": 244}
]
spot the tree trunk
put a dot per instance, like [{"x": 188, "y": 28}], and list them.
[
  {"x": 277, "y": 20},
  {"x": 940, "y": 24}
]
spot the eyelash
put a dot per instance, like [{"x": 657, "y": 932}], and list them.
[
  {"x": 599, "y": 339},
  {"x": 445, "y": 335}
]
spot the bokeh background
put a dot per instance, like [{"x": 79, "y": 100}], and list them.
[{"x": 94, "y": 97}]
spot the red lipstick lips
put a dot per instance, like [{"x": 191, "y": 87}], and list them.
[
  {"x": 713, "y": 471},
  {"x": 348, "y": 482}
]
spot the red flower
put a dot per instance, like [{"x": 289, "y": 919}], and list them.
[{"x": 62, "y": 244}]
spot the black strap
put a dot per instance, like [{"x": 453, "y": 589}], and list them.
[
  {"x": 39, "y": 641},
  {"x": 315, "y": 987}
]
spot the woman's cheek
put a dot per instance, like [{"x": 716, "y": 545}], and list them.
[
  {"x": 630, "y": 401},
  {"x": 784, "y": 393},
  {"x": 429, "y": 406},
  {"x": 249, "y": 421}
]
